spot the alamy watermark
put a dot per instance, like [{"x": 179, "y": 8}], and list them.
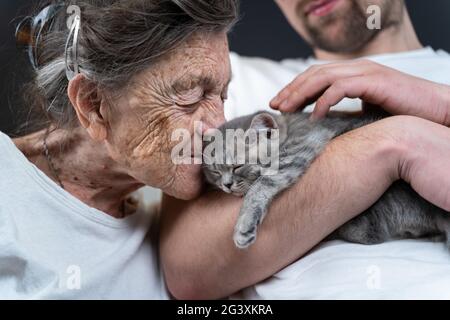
[
  {"x": 374, "y": 19},
  {"x": 374, "y": 277},
  {"x": 71, "y": 278}
]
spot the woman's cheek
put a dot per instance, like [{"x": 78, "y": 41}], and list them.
[{"x": 162, "y": 138}]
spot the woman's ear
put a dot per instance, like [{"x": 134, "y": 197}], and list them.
[{"x": 86, "y": 101}]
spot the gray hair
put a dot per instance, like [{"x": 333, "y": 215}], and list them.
[{"x": 118, "y": 39}]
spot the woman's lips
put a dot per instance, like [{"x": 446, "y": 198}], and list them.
[{"x": 320, "y": 7}]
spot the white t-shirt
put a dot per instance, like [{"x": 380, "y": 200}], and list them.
[
  {"x": 340, "y": 270},
  {"x": 53, "y": 246}
]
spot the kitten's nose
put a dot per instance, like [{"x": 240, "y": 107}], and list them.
[{"x": 228, "y": 184}]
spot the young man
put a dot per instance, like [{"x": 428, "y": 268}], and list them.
[
  {"x": 337, "y": 31},
  {"x": 197, "y": 250}
]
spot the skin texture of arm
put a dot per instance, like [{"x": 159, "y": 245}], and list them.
[{"x": 198, "y": 255}]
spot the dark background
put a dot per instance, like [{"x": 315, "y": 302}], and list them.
[{"x": 262, "y": 31}]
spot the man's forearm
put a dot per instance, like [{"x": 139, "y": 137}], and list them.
[
  {"x": 197, "y": 250},
  {"x": 425, "y": 162},
  {"x": 445, "y": 93}
]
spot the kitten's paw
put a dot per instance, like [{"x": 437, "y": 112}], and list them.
[
  {"x": 245, "y": 232},
  {"x": 244, "y": 240}
]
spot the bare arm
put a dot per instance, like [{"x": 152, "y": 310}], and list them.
[{"x": 198, "y": 255}]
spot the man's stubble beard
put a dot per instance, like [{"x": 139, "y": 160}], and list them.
[{"x": 354, "y": 34}]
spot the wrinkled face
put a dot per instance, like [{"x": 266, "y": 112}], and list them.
[
  {"x": 187, "y": 86},
  {"x": 339, "y": 25}
]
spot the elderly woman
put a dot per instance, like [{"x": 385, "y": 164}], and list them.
[
  {"x": 110, "y": 89},
  {"x": 112, "y": 81}
]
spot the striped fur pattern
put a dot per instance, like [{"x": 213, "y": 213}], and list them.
[{"x": 399, "y": 213}]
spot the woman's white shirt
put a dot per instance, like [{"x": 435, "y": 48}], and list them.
[{"x": 53, "y": 246}]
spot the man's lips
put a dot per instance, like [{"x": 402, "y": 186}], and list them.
[{"x": 320, "y": 7}]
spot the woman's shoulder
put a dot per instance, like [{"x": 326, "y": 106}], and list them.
[
  {"x": 6, "y": 144},
  {"x": 12, "y": 162}
]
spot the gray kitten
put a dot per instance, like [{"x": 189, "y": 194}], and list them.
[{"x": 399, "y": 213}]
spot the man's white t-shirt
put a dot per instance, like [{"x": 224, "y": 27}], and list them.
[
  {"x": 340, "y": 270},
  {"x": 53, "y": 246}
]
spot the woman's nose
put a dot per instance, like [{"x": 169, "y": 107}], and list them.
[
  {"x": 213, "y": 123},
  {"x": 213, "y": 117}
]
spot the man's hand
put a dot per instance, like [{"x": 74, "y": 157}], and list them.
[{"x": 394, "y": 91}]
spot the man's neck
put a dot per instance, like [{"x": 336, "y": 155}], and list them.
[
  {"x": 400, "y": 38},
  {"x": 83, "y": 167}
]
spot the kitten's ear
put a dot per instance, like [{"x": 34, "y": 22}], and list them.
[{"x": 263, "y": 121}]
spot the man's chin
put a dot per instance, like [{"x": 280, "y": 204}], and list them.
[
  {"x": 337, "y": 38},
  {"x": 329, "y": 29}
]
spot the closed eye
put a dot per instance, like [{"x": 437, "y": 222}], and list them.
[
  {"x": 236, "y": 168},
  {"x": 215, "y": 173},
  {"x": 188, "y": 105},
  {"x": 189, "y": 97}
]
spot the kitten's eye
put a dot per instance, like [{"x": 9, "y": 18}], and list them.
[
  {"x": 236, "y": 168},
  {"x": 215, "y": 174}
]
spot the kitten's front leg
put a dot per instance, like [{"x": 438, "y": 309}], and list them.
[
  {"x": 266, "y": 188},
  {"x": 255, "y": 206}
]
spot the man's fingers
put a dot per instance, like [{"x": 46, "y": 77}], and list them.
[
  {"x": 313, "y": 87},
  {"x": 345, "y": 88},
  {"x": 315, "y": 80},
  {"x": 292, "y": 87}
]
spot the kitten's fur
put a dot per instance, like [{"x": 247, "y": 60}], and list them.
[{"x": 399, "y": 213}]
